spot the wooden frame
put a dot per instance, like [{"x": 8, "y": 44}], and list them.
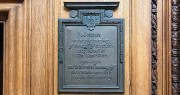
[
  {"x": 2, "y": 22},
  {"x": 163, "y": 71},
  {"x": 16, "y": 65}
]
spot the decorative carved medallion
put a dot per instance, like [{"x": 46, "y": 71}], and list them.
[{"x": 91, "y": 19}]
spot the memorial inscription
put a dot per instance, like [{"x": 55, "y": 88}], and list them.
[{"x": 91, "y": 50}]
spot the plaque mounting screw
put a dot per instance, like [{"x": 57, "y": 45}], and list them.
[
  {"x": 109, "y": 13},
  {"x": 73, "y": 13}
]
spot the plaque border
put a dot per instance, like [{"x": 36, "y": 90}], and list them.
[{"x": 77, "y": 21}]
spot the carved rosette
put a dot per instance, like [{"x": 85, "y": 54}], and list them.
[
  {"x": 154, "y": 46},
  {"x": 176, "y": 47}
]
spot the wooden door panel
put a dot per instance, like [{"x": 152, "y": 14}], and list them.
[
  {"x": 15, "y": 49},
  {"x": 136, "y": 45},
  {"x": 123, "y": 11},
  {"x": 32, "y": 46}
]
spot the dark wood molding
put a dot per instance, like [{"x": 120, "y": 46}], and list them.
[
  {"x": 1, "y": 56},
  {"x": 175, "y": 47},
  {"x": 11, "y": 1},
  {"x": 154, "y": 46},
  {"x": 3, "y": 16}
]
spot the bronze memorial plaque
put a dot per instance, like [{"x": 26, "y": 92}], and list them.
[{"x": 91, "y": 49}]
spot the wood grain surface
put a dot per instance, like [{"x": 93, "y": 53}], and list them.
[
  {"x": 164, "y": 47},
  {"x": 141, "y": 47},
  {"x": 31, "y": 46},
  {"x": 123, "y": 11},
  {"x": 15, "y": 50}
]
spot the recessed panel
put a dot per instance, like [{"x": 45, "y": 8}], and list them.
[{"x": 90, "y": 57}]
